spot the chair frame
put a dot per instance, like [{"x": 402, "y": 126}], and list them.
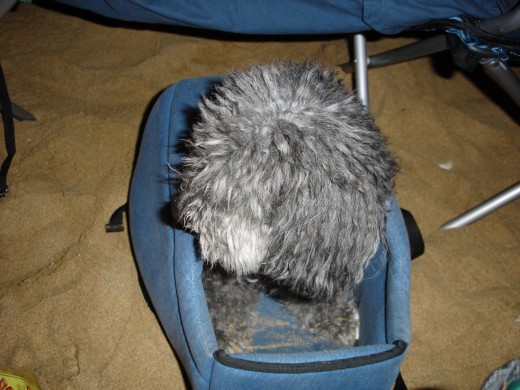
[{"x": 497, "y": 70}]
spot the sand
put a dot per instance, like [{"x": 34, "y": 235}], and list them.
[{"x": 71, "y": 309}]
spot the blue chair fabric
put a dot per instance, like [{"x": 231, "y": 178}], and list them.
[
  {"x": 171, "y": 272},
  {"x": 291, "y": 17}
]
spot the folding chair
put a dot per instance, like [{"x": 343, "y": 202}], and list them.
[{"x": 472, "y": 43}]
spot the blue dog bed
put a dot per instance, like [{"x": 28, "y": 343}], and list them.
[{"x": 171, "y": 272}]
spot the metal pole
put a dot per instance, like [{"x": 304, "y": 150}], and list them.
[
  {"x": 361, "y": 68},
  {"x": 483, "y": 209},
  {"x": 502, "y": 74},
  {"x": 5, "y": 6}
]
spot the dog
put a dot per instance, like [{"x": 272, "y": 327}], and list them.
[{"x": 286, "y": 183}]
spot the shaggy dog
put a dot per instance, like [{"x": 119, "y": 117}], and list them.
[{"x": 285, "y": 183}]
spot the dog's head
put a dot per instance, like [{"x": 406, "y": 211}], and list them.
[{"x": 287, "y": 176}]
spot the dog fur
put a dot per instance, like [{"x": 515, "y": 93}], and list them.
[{"x": 287, "y": 179}]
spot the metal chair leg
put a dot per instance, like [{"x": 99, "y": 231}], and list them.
[
  {"x": 5, "y": 6},
  {"x": 412, "y": 51},
  {"x": 20, "y": 113},
  {"x": 497, "y": 70},
  {"x": 502, "y": 74},
  {"x": 485, "y": 208},
  {"x": 361, "y": 65},
  {"x": 506, "y": 79}
]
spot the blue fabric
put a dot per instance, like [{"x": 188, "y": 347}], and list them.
[
  {"x": 154, "y": 241},
  {"x": 471, "y": 41},
  {"x": 171, "y": 272},
  {"x": 286, "y": 17}
]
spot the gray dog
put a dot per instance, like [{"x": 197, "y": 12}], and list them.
[{"x": 286, "y": 183}]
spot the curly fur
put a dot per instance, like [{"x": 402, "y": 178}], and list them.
[
  {"x": 233, "y": 307},
  {"x": 287, "y": 176}
]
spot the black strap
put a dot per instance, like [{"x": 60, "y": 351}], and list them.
[
  {"x": 472, "y": 26},
  {"x": 414, "y": 234},
  {"x": 10, "y": 146},
  {"x": 399, "y": 383},
  {"x": 115, "y": 224}
]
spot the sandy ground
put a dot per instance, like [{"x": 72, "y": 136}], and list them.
[{"x": 71, "y": 309}]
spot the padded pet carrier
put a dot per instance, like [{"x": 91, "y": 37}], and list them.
[{"x": 171, "y": 272}]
